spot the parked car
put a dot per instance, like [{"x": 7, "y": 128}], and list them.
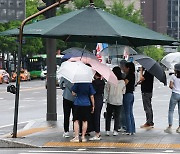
[
  {"x": 24, "y": 75},
  {"x": 57, "y": 77},
  {"x": 4, "y": 77}
]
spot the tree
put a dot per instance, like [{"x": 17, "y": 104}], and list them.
[
  {"x": 129, "y": 13},
  {"x": 157, "y": 53}
]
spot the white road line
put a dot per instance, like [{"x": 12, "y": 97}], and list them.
[
  {"x": 29, "y": 125},
  {"x": 1, "y": 98},
  {"x": 29, "y": 98},
  {"x": 95, "y": 152}
]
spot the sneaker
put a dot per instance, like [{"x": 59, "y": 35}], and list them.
[
  {"x": 115, "y": 133},
  {"x": 121, "y": 130},
  {"x": 127, "y": 133},
  {"x": 147, "y": 126},
  {"x": 66, "y": 135},
  {"x": 107, "y": 133},
  {"x": 95, "y": 138},
  {"x": 84, "y": 139},
  {"x": 75, "y": 139},
  {"x": 168, "y": 130},
  {"x": 178, "y": 130}
]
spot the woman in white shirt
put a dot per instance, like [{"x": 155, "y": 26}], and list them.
[
  {"x": 175, "y": 98},
  {"x": 115, "y": 101}
]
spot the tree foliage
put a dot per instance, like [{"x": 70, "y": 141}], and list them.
[
  {"x": 127, "y": 12},
  {"x": 157, "y": 53}
]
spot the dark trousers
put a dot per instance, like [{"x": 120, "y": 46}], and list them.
[
  {"x": 97, "y": 112},
  {"x": 147, "y": 97},
  {"x": 110, "y": 109},
  {"x": 67, "y": 108}
]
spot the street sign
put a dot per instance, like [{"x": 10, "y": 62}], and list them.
[{"x": 12, "y": 10}]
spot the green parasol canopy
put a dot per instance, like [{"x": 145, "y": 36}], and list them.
[{"x": 93, "y": 25}]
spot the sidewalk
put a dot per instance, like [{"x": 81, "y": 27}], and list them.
[{"x": 49, "y": 134}]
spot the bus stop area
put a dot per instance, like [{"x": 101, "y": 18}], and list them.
[
  {"x": 40, "y": 133},
  {"x": 46, "y": 135}
]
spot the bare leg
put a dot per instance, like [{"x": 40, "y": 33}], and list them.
[
  {"x": 84, "y": 128},
  {"x": 76, "y": 128}
]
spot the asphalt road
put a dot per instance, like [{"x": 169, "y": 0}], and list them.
[
  {"x": 85, "y": 151},
  {"x": 32, "y": 104}
]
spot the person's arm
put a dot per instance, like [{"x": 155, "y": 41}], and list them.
[
  {"x": 141, "y": 75},
  {"x": 126, "y": 81},
  {"x": 93, "y": 104},
  {"x": 171, "y": 84},
  {"x": 73, "y": 93},
  {"x": 61, "y": 83}
]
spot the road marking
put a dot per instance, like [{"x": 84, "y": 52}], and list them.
[
  {"x": 1, "y": 98},
  {"x": 168, "y": 151},
  {"x": 29, "y": 125},
  {"x": 29, "y": 98},
  {"x": 98, "y": 152}
]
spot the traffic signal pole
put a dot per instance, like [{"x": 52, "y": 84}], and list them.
[
  {"x": 59, "y": 2},
  {"x": 51, "y": 114}
]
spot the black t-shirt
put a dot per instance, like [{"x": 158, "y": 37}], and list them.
[
  {"x": 98, "y": 85},
  {"x": 147, "y": 84},
  {"x": 131, "y": 84}
]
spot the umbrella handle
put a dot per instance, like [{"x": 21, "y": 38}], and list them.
[{"x": 83, "y": 52}]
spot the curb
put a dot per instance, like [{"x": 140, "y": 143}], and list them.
[{"x": 4, "y": 143}]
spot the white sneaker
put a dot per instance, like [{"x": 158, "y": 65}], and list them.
[
  {"x": 84, "y": 139},
  {"x": 178, "y": 130},
  {"x": 115, "y": 133},
  {"x": 95, "y": 138},
  {"x": 107, "y": 133},
  {"x": 75, "y": 139},
  {"x": 121, "y": 130},
  {"x": 66, "y": 135},
  {"x": 168, "y": 130}
]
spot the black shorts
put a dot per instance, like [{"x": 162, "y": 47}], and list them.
[{"x": 82, "y": 113}]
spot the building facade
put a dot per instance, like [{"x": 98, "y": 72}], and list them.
[
  {"x": 155, "y": 14},
  {"x": 173, "y": 18}
]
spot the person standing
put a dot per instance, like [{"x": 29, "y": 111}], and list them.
[
  {"x": 98, "y": 85},
  {"x": 115, "y": 101},
  {"x": 175, "y": 98},
  {"x": 68, "y": 101},
  {"x": 147, "y": 80},
  {"x": 128, "y": 99},
  {"x": 84, "y": 100}
]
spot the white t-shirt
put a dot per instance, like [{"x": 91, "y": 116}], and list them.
[
  {"x": 116, "y": 93},
  {"x": 176, "y": 82}
]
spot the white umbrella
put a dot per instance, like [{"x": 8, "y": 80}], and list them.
[
  {"x": 171, "y": 58},
  {"x": 76, "y": 72}
]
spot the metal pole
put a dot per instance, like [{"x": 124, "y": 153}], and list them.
[
  {"x": 51, "y": 80},
  {"x": 178, "y": 22},
  {"x": 14, "y": 135}
]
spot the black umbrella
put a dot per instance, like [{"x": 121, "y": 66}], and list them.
[{"x": 152, "y": 67}]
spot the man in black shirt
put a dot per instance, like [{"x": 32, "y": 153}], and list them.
[{"x": 147, "y": 81}]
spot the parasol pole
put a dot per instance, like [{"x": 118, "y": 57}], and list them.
[{"x": 59, "y": 2}]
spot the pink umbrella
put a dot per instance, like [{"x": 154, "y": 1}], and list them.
[{"x": 102, "y": 69}]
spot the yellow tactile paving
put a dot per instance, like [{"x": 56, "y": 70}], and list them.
[
  {"x": 29, "y": 131},
  {"x": 112, "y": 144}
]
